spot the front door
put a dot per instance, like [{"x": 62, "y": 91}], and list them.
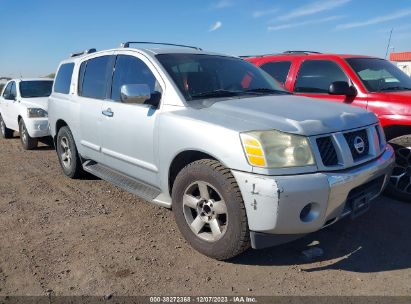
[
  {"x": 4, "y": 102},
  {"x": 129, "y": 130},
  {"x": 315, "y": 77}
]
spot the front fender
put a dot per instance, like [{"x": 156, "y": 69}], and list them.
[{"x": 178, "y": 134}]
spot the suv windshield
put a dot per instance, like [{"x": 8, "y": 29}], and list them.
[
  {"x": 211, "y": 76},
  {"x": 36, "y": 88},
  {"x": 379, "y": 75}
]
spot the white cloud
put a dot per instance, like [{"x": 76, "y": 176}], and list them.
[
  {"x": 215, "y": 26},
  {"x": 313, "y": 8},
  {"x": 223, "y": 3},
  {"x": 299, "y": 24},
  {"x": 397, "y": 29},
  {"x": 376, "y": 20},
  {"x": 258, "y": 14}
]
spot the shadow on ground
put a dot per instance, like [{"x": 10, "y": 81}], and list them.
[{"x": 377, "y": 241}]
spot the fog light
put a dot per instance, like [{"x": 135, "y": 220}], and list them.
[
  {"x": 310, "y": 212},
  {"x": 305, "y": 212}
]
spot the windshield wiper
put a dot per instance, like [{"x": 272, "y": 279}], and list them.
[
  {"x": 266, "y": 91},
  {"x": 396, "y": 88},
  {"x": 227, "y": 93},
  {"x": 216, "y": 93}
]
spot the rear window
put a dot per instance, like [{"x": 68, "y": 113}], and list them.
[
  {"x": 278, "y": 70},
  {"x": 63, "y": 78},
  {"x": 37, "y": 88}
]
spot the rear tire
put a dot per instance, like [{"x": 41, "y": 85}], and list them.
[
  {"x": 28, "y": 142},
  {"x": 67, "y": 153},
  {"x": 5, "y": 132},
  {"x": 399, "y": 186},
  {"x": 209, "y": 210}
]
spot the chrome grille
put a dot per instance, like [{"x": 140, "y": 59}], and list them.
[
  {"x": 327, "y": 151},
  {"x": 358, "y": 143},
  {"x": 342, "y": 150}
]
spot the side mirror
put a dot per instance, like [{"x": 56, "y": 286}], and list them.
[
  {"x": 135, "y": 93},
  {"x": 342, "y": 88}
]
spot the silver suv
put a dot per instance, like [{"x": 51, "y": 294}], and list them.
[{"x": 240, "y": 160}]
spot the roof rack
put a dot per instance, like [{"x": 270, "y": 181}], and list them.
[
  {"x": 301, "y": 52},
  {"x": 89, "y": 51},
  {"x": 283, "y": 53},
  {"x": 127, "y": 44},
  {"x": 261, "y": 55}
]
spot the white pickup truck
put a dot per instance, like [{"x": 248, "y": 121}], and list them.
[{"x": 23, "y": 108}]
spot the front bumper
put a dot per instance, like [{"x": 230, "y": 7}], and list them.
[
  {"x": 274, "y": 204},
  {"x": 37, "y": 127}
]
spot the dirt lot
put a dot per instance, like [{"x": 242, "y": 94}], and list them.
[{"x": 79, "y": 237}]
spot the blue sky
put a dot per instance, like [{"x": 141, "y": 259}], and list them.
[{"x": 37, "y": 34}]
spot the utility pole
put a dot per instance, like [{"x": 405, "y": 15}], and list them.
[{"x": 389, "y": 43}]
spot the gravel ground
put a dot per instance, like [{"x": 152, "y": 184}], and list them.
[{"x": 87, "y": 237}]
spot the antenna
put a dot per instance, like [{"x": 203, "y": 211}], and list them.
[{"x": 389, "y": 42}]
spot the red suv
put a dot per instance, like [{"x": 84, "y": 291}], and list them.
[{"x": 363, "y": 81}]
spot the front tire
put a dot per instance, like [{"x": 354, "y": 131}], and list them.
[
  {"x": 67, "y": 153},
  {"x": 399, "y": 186},
  {"x": 28, "y": 142},
  {"x": 5, "y": 132},
  {"x": 209, "y": 210}
]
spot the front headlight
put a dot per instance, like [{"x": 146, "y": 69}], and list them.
[
  {"x": 275, "y": 149},
  {"x": 36, "y": 113}
]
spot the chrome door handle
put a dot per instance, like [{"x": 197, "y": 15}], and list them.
[{"x": 108, "y": 113}]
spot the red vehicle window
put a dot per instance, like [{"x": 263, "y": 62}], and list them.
[
  {"x": 278, "y": 70},
  {"x": 316, "y": 76}
]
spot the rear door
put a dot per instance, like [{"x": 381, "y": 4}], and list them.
[
  {"x": 279, "y": 70},
  {"x": 94, "y": 83},
  {"x": 314, "y": 78},
  {"x": 129, "y": 130}
]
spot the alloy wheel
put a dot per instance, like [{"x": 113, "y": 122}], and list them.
[
  {"x": 66, "y": 155},
  {"x": 401, "y": 175},
  {"x": 23, "y": 133},
  {"x": 205, "y": 211},
  {"x": 2, "y": 126}
]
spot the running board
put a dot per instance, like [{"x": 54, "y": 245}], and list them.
[{"x": 147, "y": 192}]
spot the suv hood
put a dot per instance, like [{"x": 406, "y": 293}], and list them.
[
  {"x": 287, "y": 113},
  {"x": 38, "y": 102},
  {"x": 405, "y": 95},
  {"x": 391, "y": 103}
]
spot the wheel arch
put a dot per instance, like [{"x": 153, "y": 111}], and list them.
[
  {"x": 394, "y": 131},
  {"x": 59, "y": 124},
  {"x": 181, "y": 160}
]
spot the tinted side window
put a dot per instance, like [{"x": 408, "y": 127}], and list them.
[
  {"x": 96, "y": 77},
  {"x": 81, "y": 77},
  {"x": 316, "y": 76},
  {"x": 131, "y": 70},
  {"x": 13, "y": 90},
  {"x": 63, "y": 78},
  {"x": 7, "y": 90},
  {"x": 278, "y": 70}
]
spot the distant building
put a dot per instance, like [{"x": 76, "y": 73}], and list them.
[{"x": 403, "y": 61}]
